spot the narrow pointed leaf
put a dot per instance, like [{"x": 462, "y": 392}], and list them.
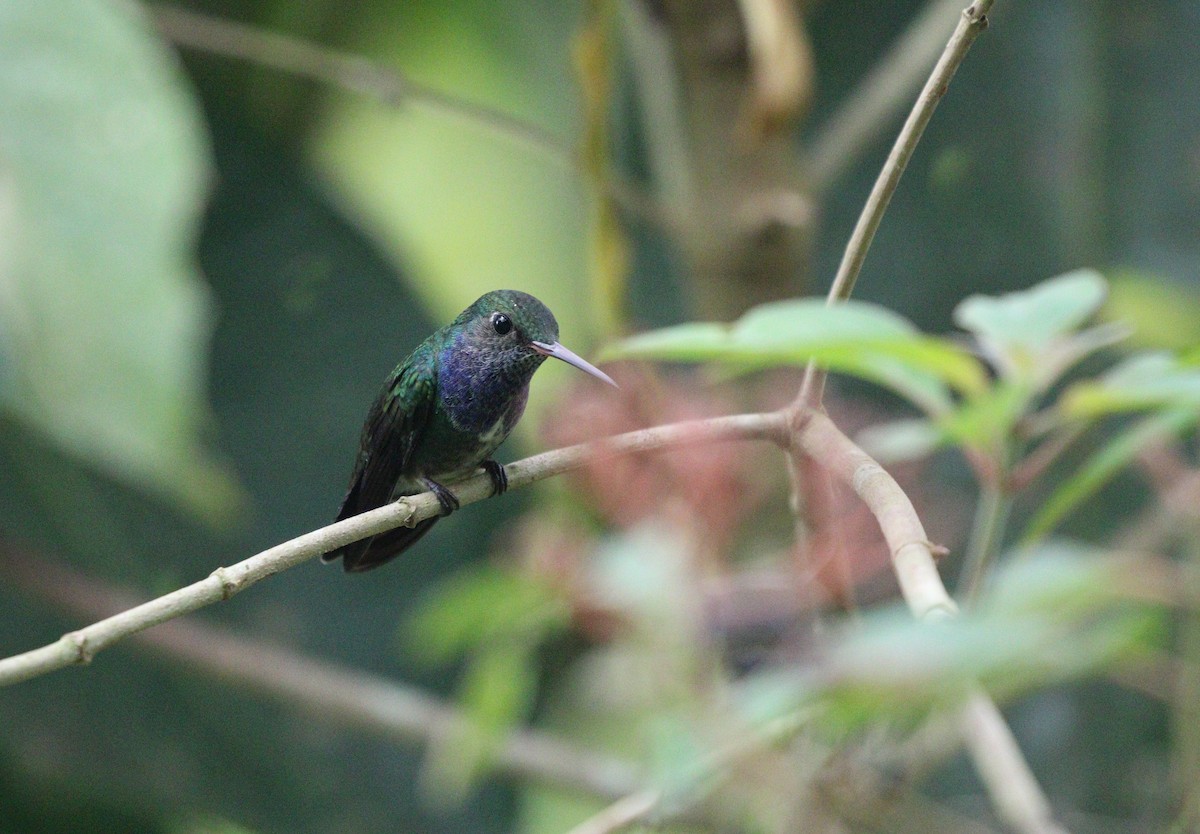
[
  {"x": 1143, "y": 381},
  {"x": 1104, "y": 465}
]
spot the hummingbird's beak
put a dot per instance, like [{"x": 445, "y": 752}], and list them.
[{"x": 559, "y": 352}]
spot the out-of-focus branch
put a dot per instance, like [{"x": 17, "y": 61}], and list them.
[
  {"x": 971, "y": 23},
  {"x": 337, "y": 694},
  {"x": 386, "y": 85},
  {"x": 621, "y": 814},
  {"x": 1015, "y": 793},
  {"x": 81, "y": 646},
  {"x": 296, "y": 56}
]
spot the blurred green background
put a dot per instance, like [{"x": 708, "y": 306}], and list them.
[{"x": 207, "y": 267}]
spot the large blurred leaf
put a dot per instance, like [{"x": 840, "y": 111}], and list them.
[
  {"x": 1062, "y": 612},
  {"x": 861, "y": 339},
  {"x": 103, "y": 324},
  {"x": 497, "y": 619}
]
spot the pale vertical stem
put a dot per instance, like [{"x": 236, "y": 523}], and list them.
[
  {"x": 972, "y": 22},
  {"x": 1015, "y": 793},
  {"x": 987, "y": 534}
]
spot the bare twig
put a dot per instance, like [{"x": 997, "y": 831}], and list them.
[
  {"x": 81, "y": 646},
  {"x": 971, "y": 23},
  {"x": 818, "y": 438}
]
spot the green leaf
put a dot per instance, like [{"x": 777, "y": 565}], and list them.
[
  {"x": 1161, "y": 312},
  {"x": 1021, "y": 331},
  {"x": 496, "y": 619},
  {"x": 855, "y": 338},
  {"x": 987, "y": 420},
  {"x": 1104, "y": 465},
  {"x": 1143, "y": 381},
  {"x": 103, "y": 320},
  {"x": 1033, "y": 317},
  {"x": 479, "y": 605}
]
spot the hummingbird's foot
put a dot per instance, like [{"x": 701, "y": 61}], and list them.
[
  {"x": 497, "y": 474},
  {"x": 444, "y": 496}
]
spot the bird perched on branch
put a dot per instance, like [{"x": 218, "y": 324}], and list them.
[{"x": 443, "y": 412}]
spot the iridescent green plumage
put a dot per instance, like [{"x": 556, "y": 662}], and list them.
[{"x": 445, "y": 409}]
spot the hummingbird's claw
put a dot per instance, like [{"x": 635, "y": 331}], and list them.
[
  {"x": 497, "y": 474},
  {"x": 444, "y": 496}
]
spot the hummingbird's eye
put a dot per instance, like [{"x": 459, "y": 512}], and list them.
[{"x": 502, "y": 323}]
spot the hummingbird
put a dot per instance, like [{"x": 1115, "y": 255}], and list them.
[{"x": 444, "y": 410}]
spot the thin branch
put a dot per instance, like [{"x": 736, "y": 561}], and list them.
[
  {"x": 880, "y": 95},
  {"x": 295, "y": 56},
  {"x": 81, "y": 646},
  {"x": 971, "y": 23},
  {"x": 621, "y": 814},
  {"x": 335, "y": 693},
  {"x": 817, "y": 437}
]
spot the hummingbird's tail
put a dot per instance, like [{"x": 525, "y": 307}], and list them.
[{"x": 373, "y": 552}]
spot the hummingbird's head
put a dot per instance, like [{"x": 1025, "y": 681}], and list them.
[{"x": 517, "y": 330}]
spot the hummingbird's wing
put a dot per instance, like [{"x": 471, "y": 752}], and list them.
[{"x": 393, "y": 429}]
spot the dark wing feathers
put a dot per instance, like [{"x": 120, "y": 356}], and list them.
[{"x": 391, "y": 432}]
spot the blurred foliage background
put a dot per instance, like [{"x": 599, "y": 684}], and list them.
[{"x": 207, "y": 266}]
